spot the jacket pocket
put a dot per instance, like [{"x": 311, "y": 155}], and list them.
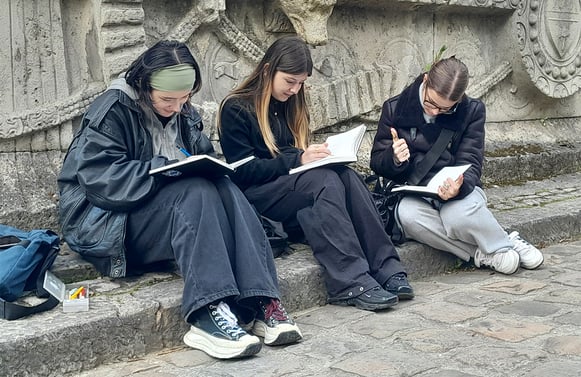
[{"x": 90, "y": 230}]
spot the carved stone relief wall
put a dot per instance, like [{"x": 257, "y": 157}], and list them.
[
  {"x": 57, "y": 56},
  {"x": 549, "y": 37}
]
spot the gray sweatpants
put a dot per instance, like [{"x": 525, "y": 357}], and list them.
[{"x": 457, "y": 226}]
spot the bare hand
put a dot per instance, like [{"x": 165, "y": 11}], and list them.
[
  {"x": 401, "y": 152},
  {"x": 315, "y": 152},
  {"x": 450, "y": 188}
]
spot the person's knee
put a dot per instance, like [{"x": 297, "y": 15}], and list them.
[
  {"x": 194, "y": 189},
  {"x": 466, "y": 216},
  {"x": 318, "y": 180}
]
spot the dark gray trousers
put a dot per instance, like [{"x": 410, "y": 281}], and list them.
[
  {"x": 336, "y": 212},
  {"x": 211, "y": 231}
]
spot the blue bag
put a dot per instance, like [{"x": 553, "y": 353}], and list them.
[{"x": 24, "y": 259}]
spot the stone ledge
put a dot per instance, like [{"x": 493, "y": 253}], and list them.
[{"x": 131, "y": 317}]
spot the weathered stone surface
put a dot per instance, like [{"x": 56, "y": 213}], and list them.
[
  {"x": 564, "y": 345},
  {"x": 370, "y": 50},
  {"x": 510, "y": 330}
]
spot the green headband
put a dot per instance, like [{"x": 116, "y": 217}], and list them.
[{"x": 174, "y": 79}]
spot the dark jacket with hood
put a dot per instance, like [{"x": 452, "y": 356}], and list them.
[
  {"x": 105, "y": 175},
  {"x": 405, "y": 113}
]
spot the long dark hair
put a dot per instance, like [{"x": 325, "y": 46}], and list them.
[
  {"x": 289, "y": 55},
  {"x": 449, "y": 78},
  {"x": 161, "y": 55}
]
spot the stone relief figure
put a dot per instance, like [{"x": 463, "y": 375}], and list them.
[
  {"x": 549, "y": 35},
  {"x": 60, "y": 55}
]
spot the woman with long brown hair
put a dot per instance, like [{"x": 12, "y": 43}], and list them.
[{"x": 266, "y": 116}]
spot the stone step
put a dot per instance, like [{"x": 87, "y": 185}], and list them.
[
  {"x": 530, "y": 164},
  {"x": 134, "y": 316}
]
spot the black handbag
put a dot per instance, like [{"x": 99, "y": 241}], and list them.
[{"x": 386, "y": 203}]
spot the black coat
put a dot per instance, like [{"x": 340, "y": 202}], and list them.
[
  {"x": 405, "y": 113},
  {"x": 105, "y": 175},
  {"x": 240, "y": 137}
]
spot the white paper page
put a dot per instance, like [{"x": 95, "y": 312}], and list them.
[
  {"x": 346, "y": 143},
  {"x": 446, "y": 172}
]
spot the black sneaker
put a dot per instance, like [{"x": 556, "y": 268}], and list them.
[
  {"x": 398, "y": 285},
  {"x": 273, "y": 323},
  {"x": 216, "y": 332},
  {"x": 373, "y": 299}
]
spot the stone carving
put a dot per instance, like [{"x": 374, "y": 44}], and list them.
[
  {"x": 204, "y": 13},
  {"x": 32, "y": 57},
  {"x": 480, "y": 88},
  {"x": 505, "y": 4},
  {"x": 350, "y": 96},
  {"x": 57, "y": 56},
  {"x": 237, "y": 41},
  {"x": 309, "y": 17},
  {"x": 122, "y": 36},
  {"x": 54, "y": 114},
  {"x": 275, "y": 20},
  {"x": 549, "y": 37}
]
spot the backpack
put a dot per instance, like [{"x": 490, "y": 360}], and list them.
[{"x": 24, "y": 259}]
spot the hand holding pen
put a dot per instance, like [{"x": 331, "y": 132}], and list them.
[{"x": 401, "y": 152}]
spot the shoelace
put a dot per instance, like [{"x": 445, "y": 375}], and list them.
[
  {"x": 486, "y": 259},
  {"x": 520, "y": 244},
  {"x": 226, "y": 319},
  {"x": 275, "y": 310}
]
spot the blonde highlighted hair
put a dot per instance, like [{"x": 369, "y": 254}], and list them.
[{"x": 289, "y": 55}]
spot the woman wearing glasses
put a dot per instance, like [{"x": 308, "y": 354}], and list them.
[{"x": 458, "y": 220}]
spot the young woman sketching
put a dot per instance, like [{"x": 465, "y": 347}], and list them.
[
  {"x": 266, "y": 116},
  {"x": 458, "y": 221},
  {"x": 121, "y": 218}
]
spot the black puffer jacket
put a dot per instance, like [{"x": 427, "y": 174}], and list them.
[
  {"x": 105, "y": 175},
  {"x": 405, "y": 113}
]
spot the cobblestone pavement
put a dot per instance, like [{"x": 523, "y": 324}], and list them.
[{"x": 465, "y": 323}]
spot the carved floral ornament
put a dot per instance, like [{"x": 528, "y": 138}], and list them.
[{"x": 549, "y": 37}]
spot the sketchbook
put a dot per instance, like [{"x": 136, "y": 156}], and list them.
[
  {"x": 431, "y": 189},
  {"x": 201, "y": 165},
  {"x": 343, "y": 147}
]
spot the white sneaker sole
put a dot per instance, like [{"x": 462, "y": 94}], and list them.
[
  {"x": 533, "y": 265},
  {"x": 284, "y": 333},
  {"x": 247, "y": 345}
]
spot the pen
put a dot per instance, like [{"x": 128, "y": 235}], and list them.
[
  {"x": 183, "y": 150},
  {"x": 74, "y": 295}
]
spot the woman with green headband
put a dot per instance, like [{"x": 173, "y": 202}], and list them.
[{"x": 125, "y": 221}]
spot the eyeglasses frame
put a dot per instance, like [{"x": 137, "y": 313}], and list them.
[{"x": 441, "y": 110}]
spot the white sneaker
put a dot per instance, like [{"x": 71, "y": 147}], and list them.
[
  {"x": 505, "y": 262},
  {"x": 530, "y": 256},
  {"x": 216, "y": 332},
  {"x": 275, "y": 325}
]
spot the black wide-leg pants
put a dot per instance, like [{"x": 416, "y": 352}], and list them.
[
  {"x": 212, "y": 232},
  {"x": 336, "y": 212}
]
